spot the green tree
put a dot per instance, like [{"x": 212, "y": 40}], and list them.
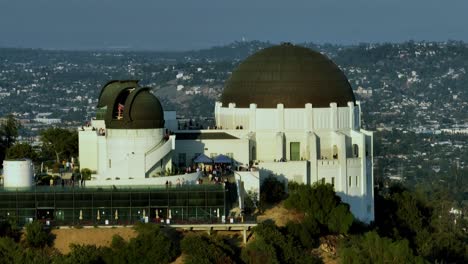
[
  {"x": 371, "y": 248},
  {"x": 201, "y": 249},
  {"x": 8, "y": 134},
  {"x": 272, "y": 191},
  {"x": 401, "y": 214},
  {"x": 321, "y": 203},
  {"x": 259, "y": 251},
  {"x": 83, "y": 254},
  {"x": 32, "y": 255},
  {"x": 286, "y": 248},
  {"x": 307, "y": 232},
  {"x": 60, "y": 141},
  {"x": 151, "y": 245},
  {"x": 9, "y": 250},
  {"x": 21, "y": 150},
  {"x": 340, "y": 219},
  {"x": 37, "y": 236},
  {"x": 118, "y": 242},
  {"x": 9, "y": 230},
  {"x": 9, "y": 131}
]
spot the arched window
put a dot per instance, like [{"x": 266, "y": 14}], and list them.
[{"x": 355, "y": 151}]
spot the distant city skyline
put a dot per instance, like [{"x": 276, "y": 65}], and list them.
[{"x": 184, "y": 25}]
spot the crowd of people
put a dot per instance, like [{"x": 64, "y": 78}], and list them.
[{"x": 217, "y": 174}]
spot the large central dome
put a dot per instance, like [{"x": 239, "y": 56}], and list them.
[{"x": 287, "y": 74}]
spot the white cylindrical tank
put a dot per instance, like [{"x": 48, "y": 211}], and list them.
[{"x": 17, "y": 173}]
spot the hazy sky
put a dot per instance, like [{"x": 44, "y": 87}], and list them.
[{"x": 193, "y": 24}]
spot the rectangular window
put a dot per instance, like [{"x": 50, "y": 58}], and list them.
[
  {"x": 110, "y": 163},
  {"x": 333, "y": 181},
  {"x": 349, "y": 181},
  {"x": 295, "y": 150},
  {"x": 356, "y": 181},
  {"x": 182, "y": 159}
]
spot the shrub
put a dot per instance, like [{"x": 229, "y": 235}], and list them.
[
  {"x": 307, "y": 232},
  {"x": 37, "y": 236},
  {"x": 340, "y": 219},
  {"x": 9, "y": 250},
  {"x": 201, "y": 249},
  {"x": 371, "y": 248},
  {"x": 259, "y": 251},
  {"x": 150, "y": 246},
  {"x": 86, "y": 174},
  {"x": 9, "y": 230},
  {"x": 270, "y": 237},
  {"x": 272, "y": 191},
  {"x": 320, "y": 202},
  {"x": 89, "y": 254}
]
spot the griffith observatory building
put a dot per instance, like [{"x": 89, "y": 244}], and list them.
[{"x": 286, "y": 111}]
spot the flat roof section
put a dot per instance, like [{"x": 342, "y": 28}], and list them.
[{"x": 201, "y": 135}]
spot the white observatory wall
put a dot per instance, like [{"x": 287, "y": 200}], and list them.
[
  {"x": 17, "y": 173},
  {"x": 281, "y": 118},
  {"x": 294, "y": 119},
  {"x": 88, "y": 148},
  {"x": 239, "y": 148},
  {"x": 102, "y": 154},
  {"x": 126, "y": 150},
  {"x": 266, "y": 146},
  {"x": 266, "y": 119}
]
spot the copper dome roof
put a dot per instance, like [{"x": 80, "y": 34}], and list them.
[{"x": 287, "y": 74}]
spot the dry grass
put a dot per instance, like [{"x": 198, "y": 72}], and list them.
[
  {"x": 280, "y": 215},
  {"x": 89, "y": 236},
  {"x": 179, "y": 260}
]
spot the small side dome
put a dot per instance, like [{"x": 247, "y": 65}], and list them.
[
  {"x": 110, "y": 89},
  {"x": 135, "y": 108}
]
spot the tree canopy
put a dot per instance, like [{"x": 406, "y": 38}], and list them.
[
  {"x": 37, "y": 236},
  {"x": 320, "y": 203},
  {"x": 9, "y": 131},
  {"x": 201, "y": 249},
  {"x": 8, "y": 134},
  {"x": 63, "y": 142},
  {"x": 271, "y": 245},
  {"x": 371, "y": 248},
  {"x": 21, "y": 150}
]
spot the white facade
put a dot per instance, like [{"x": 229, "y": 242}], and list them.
[
  {"x": 124, "y": 154},
  {"x": 187, "y": 150},
  {"x": 304, "y": 145},
  {"x": 309, "y": 145}
]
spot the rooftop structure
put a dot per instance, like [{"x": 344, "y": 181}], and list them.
[{"x": 286, "y": 111}]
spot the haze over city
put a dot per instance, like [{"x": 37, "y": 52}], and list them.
[
  {"x": 152, "y": 131},
  {"x": 183, "y": 25}
]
